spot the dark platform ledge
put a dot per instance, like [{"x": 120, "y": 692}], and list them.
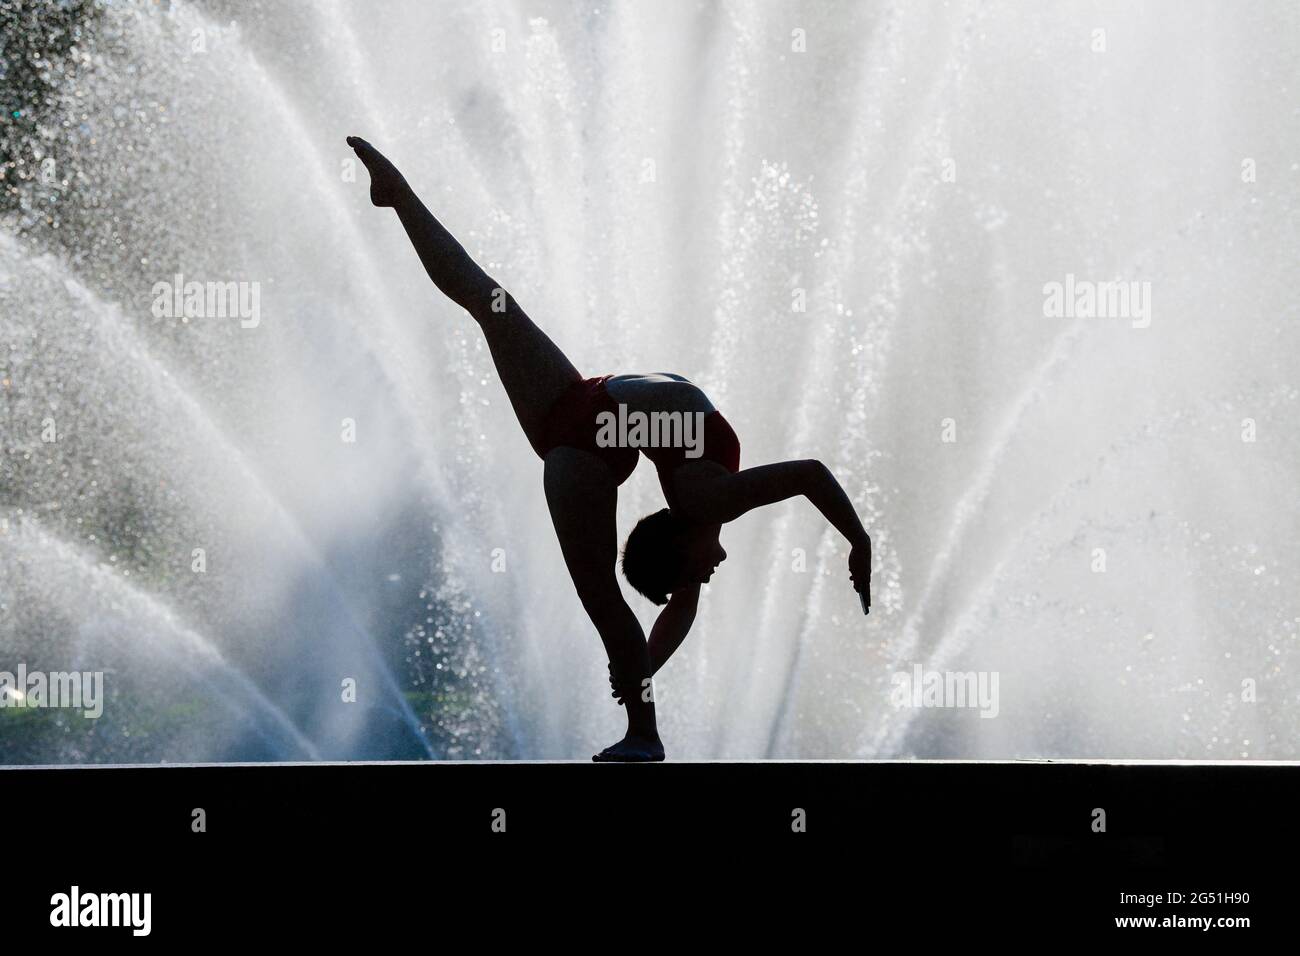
[{"x": 1012, "y": 842}]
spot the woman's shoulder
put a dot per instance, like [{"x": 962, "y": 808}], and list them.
[{"x": 690, "y": 486}]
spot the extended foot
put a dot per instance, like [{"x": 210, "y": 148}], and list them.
[
  {"x": 632, "y": 750},
  {"x": 386, "y": 183}
]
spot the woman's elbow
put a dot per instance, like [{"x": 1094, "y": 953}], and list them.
[{"x": 815, "y": 471}]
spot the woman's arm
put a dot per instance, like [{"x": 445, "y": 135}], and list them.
[
  {"x": 672, "y": 625},
  {"x": 726, "y": 497},
  {"x": 668, "y": 631}
]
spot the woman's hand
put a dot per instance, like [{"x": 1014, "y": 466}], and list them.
[
  {"x": 860, "y": 572},
  {"x": 613, "y": 687}
]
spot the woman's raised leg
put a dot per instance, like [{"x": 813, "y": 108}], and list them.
[{"x": 532, "y": 368}]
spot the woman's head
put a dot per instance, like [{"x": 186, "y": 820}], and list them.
[{"x": 664, "y": 553}]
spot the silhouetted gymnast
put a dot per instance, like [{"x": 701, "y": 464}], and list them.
[{"x": 669, "y": 554}]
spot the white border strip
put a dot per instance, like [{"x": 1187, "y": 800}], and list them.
[{"x": 1069, "y": 762}]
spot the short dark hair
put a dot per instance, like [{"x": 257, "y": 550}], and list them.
[{"x": 654, "y": 554}]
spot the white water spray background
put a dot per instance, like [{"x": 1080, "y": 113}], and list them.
[{"x": 653, "y": 182}]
